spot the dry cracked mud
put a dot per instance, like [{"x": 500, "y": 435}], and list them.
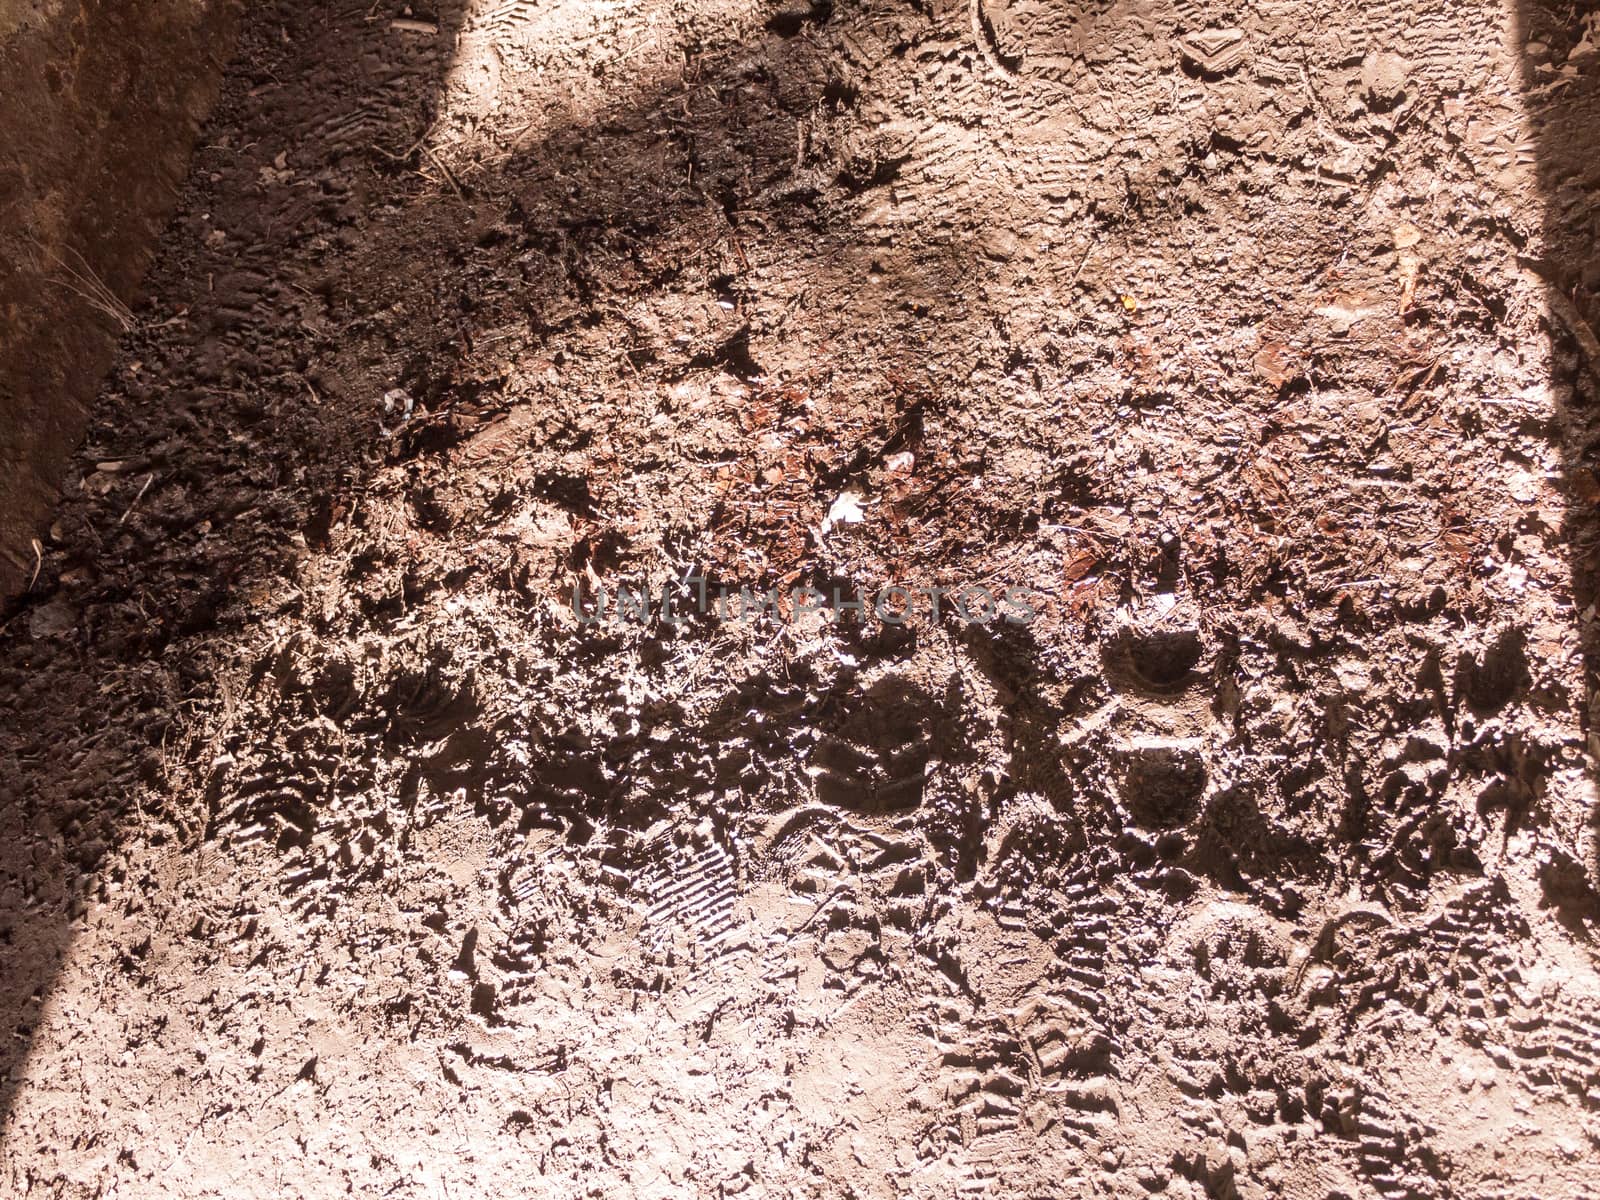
[{"x": 1251, "y": 342}]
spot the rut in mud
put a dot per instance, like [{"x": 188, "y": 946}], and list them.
[{"x": 1249, "y": 344}]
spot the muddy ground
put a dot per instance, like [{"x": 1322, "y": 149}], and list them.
[
  {"x": 1251, "y": 343},
  {"x": 99, "y": 107}
]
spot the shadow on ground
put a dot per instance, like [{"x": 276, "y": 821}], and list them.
[
  {"x": 322, "y": 260},
  {"x": 1560, "y": 51}
]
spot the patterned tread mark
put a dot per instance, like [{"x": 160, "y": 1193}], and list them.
[
  {"x": 694, "y": 889},
  {"x": 504, "y": 17}
]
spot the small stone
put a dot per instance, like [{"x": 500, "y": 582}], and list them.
[
  {"x": 1383, "y": 77},
  {"x": 53, "y": 620}
]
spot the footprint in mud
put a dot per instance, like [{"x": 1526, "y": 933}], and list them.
[
  {"x": 1051, "y": 44},
  {"x": 1039, "y": 1036},
  {"x": 799, "y": 847},
  {"x": 1162, "y": 780},
  {"x": 425, "y": 703},
  {"x": 1160, "y": 766},
  {"x": 1491, "y": 680},
  {"x": 873, "y": 753},
  {"x": 1159, "y": 663},
  {"x": 506, "y": 17},
  {"x": 691, "y": 888}
]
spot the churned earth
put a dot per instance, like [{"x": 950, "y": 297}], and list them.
[{"x": 1252, "y": 343}]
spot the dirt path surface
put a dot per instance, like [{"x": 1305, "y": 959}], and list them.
[
  {"x": 92, "y": 93},
  {"x": 1247, "y": 343}
]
